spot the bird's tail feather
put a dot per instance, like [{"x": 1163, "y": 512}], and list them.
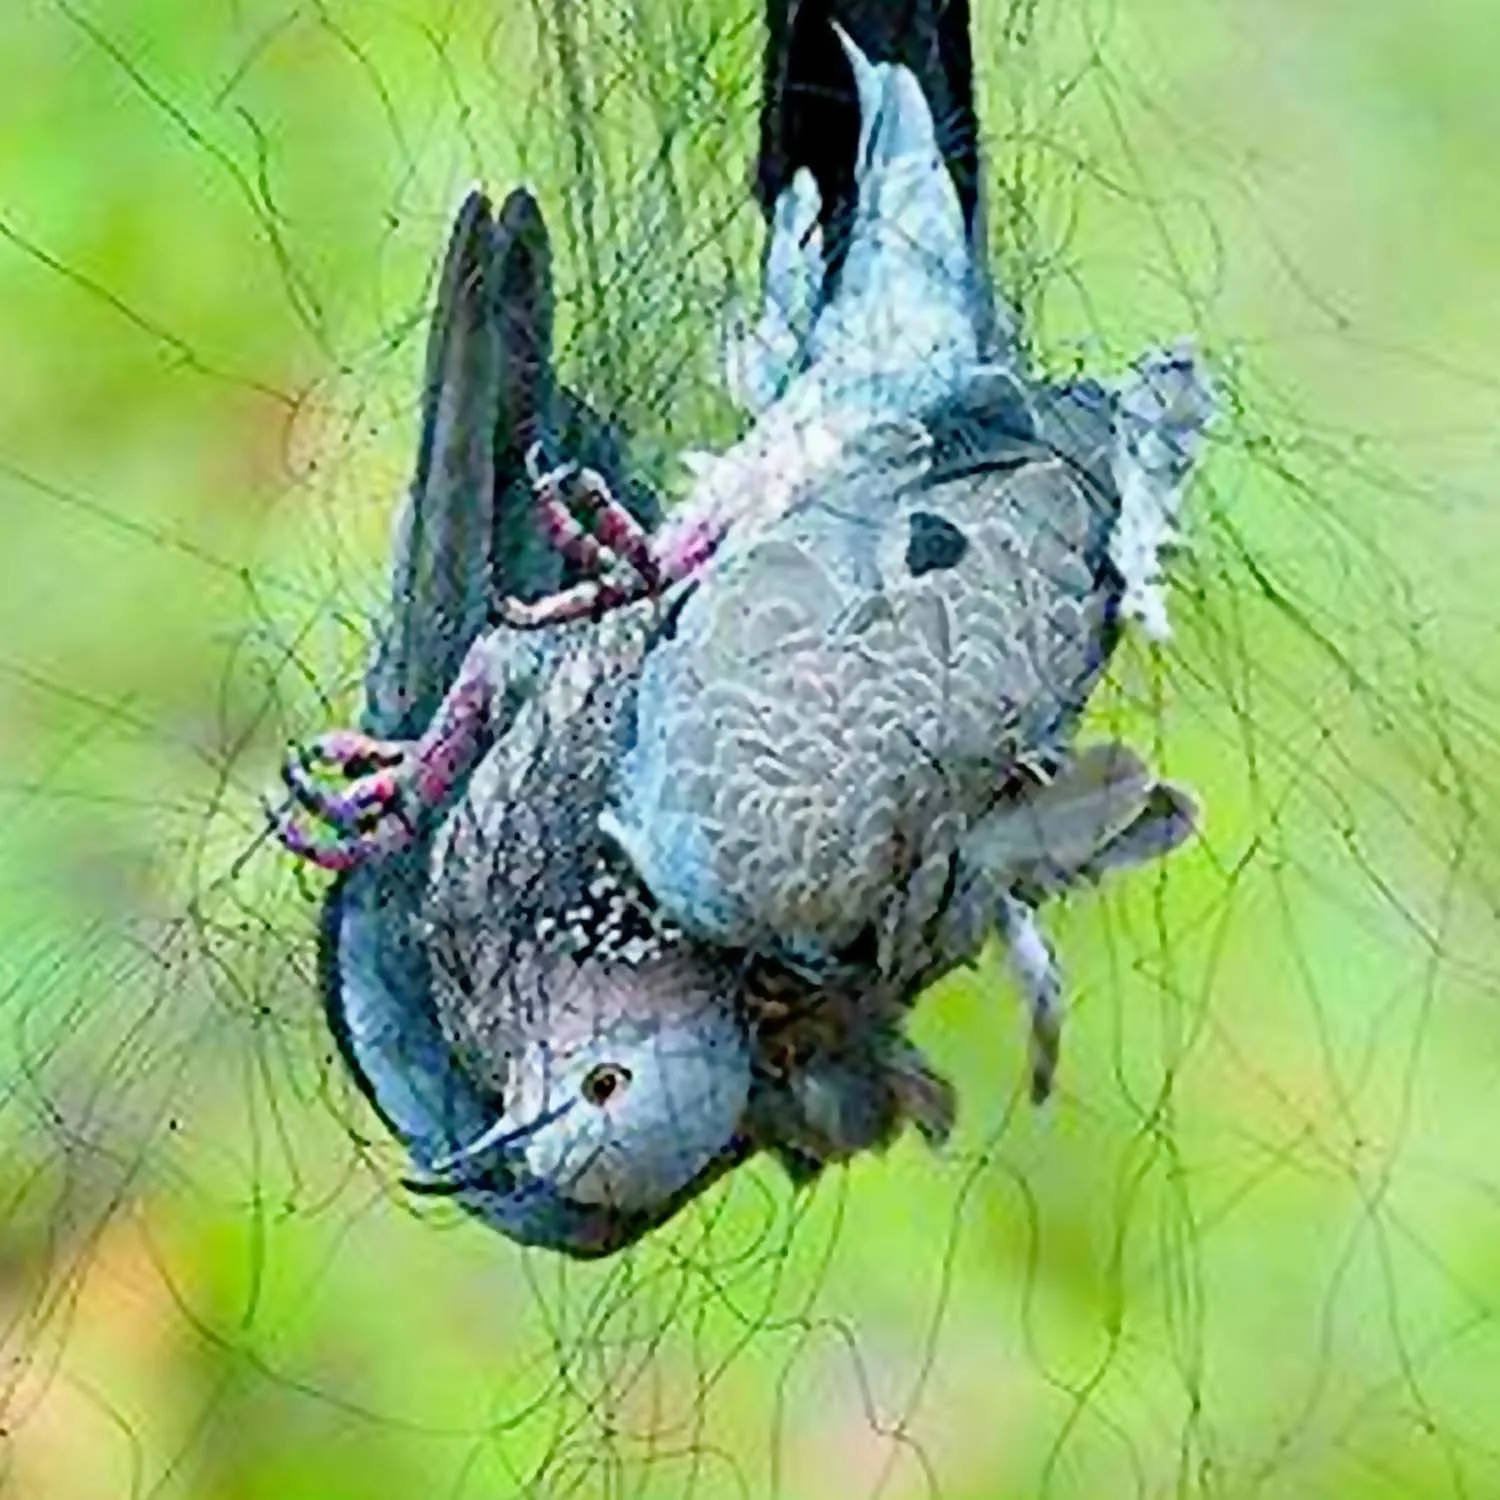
[
  {"x": 905, "y": 315},
  {"x": 1104, "y": 811}
]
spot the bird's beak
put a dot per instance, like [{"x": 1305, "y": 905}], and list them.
[{"x": 532, "y": 1211}]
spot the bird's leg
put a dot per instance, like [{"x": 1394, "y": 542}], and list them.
[
  {"x": 585, "y": 522},
  {"x": 388, "y": 785},
  {"x": 584, "y": 601},
  {"x": 617, "y": 551},
  {"x": 685, "y": 544},
  {"x": 1032, "y": 963}
]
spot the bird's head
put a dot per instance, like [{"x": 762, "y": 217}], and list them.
[
  {"x": 577, "y": 1106},
  {"x": 607, "y": 1126},
  {"x": 616, "y": 1084}
]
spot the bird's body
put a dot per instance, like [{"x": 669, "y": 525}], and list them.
[
  {"x": 536, "y": 927},
  {"x": 892, "y": 635},
  {"x": 680, "y": 870},
  {"x": 848, "y": 694}
]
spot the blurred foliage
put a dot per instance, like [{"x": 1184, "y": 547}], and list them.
[{"x": 1251, "y": 1251}]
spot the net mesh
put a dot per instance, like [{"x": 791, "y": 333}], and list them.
[{"x": 1248, "y": 1251}]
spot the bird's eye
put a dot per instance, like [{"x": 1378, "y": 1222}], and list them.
[{"x": 603, "y": 1083}]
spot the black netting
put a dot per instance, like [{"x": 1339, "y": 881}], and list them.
[{"x": 1245, "y": 1252}]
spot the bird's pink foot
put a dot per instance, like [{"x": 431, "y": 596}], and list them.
[
  {"x": 585, "y": 523},
  {"x": 353, "y": 799},
  {"x": 584, "y": 601}
]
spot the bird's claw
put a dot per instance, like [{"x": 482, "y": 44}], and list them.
[
  {"x": 584, "y": 522},
  {"x": 336, "y": 851},
  {"x": 540, "y": 478},
  {"x": 337, "y": 826},
  {"x": 373, "y": 768}
]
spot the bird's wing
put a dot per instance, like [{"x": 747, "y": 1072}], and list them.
[
  {"x": 843, "y": 695},
  {"x": 466, "y": 535},
  {"x": 442, "y": 563},
  {"x": 810, "y": 116},
  {"x": 1104, "y": 810},
  {"x": 928, "y": 602},
  {"x": 374, "y": 971},
  {"x": 896, "y": 310}
]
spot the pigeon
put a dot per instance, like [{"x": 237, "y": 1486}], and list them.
[{"x": 641, "y": 873}]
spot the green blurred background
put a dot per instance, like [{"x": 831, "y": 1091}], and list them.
[{"x": 1254, "y": 1250}]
